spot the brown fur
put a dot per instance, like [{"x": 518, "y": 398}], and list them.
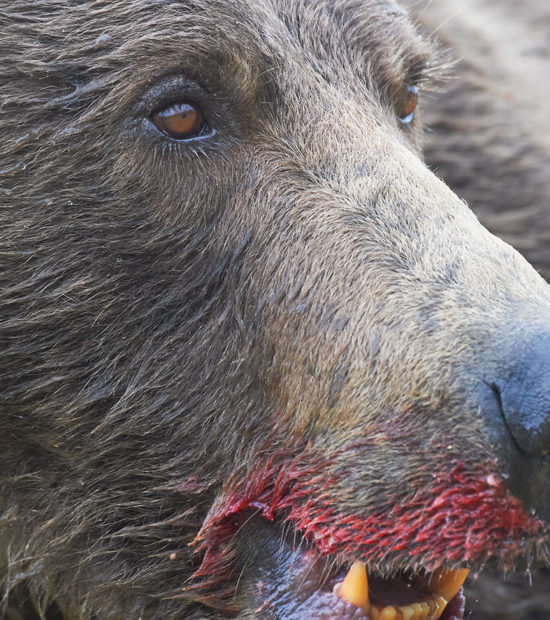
[{"x": 173, "y": 316}]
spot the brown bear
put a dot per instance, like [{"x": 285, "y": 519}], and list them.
[{"x": 252, "y": 346}]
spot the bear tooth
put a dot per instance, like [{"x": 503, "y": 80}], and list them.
[
  {"x": 408, "y": 612},
  {"x": 440, "y": 604},
  {"x": 447, "y": 583},
  {"x": 444, "y": 584},
  {"x": 388, "y": 613},
  {"x": 355, "y": 587},
  {"x": 423, "y": 611}
]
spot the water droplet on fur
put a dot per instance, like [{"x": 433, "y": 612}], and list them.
[
  {"x": 34, "y": 133},
  {"x": 19, "y": 164},
  {"x": 102, "y": 40},
  {"x": 21, "y": 138}
]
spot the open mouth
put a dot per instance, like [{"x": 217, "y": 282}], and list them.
[
  {"x": 354, "y": 594},
  {"x": 404, "y": 597},
  {"x": 290, "y": 581}
]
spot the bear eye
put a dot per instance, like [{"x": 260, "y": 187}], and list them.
[
  {"x": 406, "y": 104},
  {"x": 180, "y": 121}
]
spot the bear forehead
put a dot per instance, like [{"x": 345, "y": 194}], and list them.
[{"x": 217, "y": 41}]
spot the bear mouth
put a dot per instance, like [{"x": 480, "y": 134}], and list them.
[
  {"x": 286, "y": 577},
  {"x": 433, "y": 596},
  {"x": 313, "y": 587}
]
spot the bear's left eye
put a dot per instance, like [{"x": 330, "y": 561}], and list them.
[
  {"x": 406, "y": 104},
  {"x": 181, "y": 121}
]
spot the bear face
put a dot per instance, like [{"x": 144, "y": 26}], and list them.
[{"x": 240, "y": 313}]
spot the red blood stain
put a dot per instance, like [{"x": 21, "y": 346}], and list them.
[{"x": 461, "y": 517}]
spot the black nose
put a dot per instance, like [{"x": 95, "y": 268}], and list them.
[
  {"x": 524, "y": 398},
  {"x": 516, "y": 408}
]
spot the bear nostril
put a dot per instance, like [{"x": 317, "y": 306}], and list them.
[{"x": 524, "y": 402}]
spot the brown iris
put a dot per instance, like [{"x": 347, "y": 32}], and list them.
[
  {"x": 180, "y": 121},
  {"x": 406, "y": 104}
]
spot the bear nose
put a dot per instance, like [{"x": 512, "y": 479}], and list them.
[
  {"x": 524, "y": 399},
  {"x": 515, "y": 406}
]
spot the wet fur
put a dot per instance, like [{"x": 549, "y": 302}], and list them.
[{"x": 168, "y": 317}]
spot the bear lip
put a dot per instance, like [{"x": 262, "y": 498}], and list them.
[
  {"x": 466, "y": 517},
  {"x": 462, "y": 517},
  {"x": 295, "y": 583}
]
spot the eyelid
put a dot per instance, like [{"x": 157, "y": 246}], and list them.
[{"x": 170, "y": 90}]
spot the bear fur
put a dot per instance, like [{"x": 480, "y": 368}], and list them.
[{"x": 276, "y": 331}]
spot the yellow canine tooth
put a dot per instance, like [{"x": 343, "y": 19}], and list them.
[
  {"x": 447, "y": 583},
  {"x": 440, "y": 604},
  {"x": 355, "y": 587}
]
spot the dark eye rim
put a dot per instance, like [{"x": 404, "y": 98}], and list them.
[{"x": 205, "y": 130}]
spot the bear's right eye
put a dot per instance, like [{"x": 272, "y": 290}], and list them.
[{"x": 181, "y": 121}]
